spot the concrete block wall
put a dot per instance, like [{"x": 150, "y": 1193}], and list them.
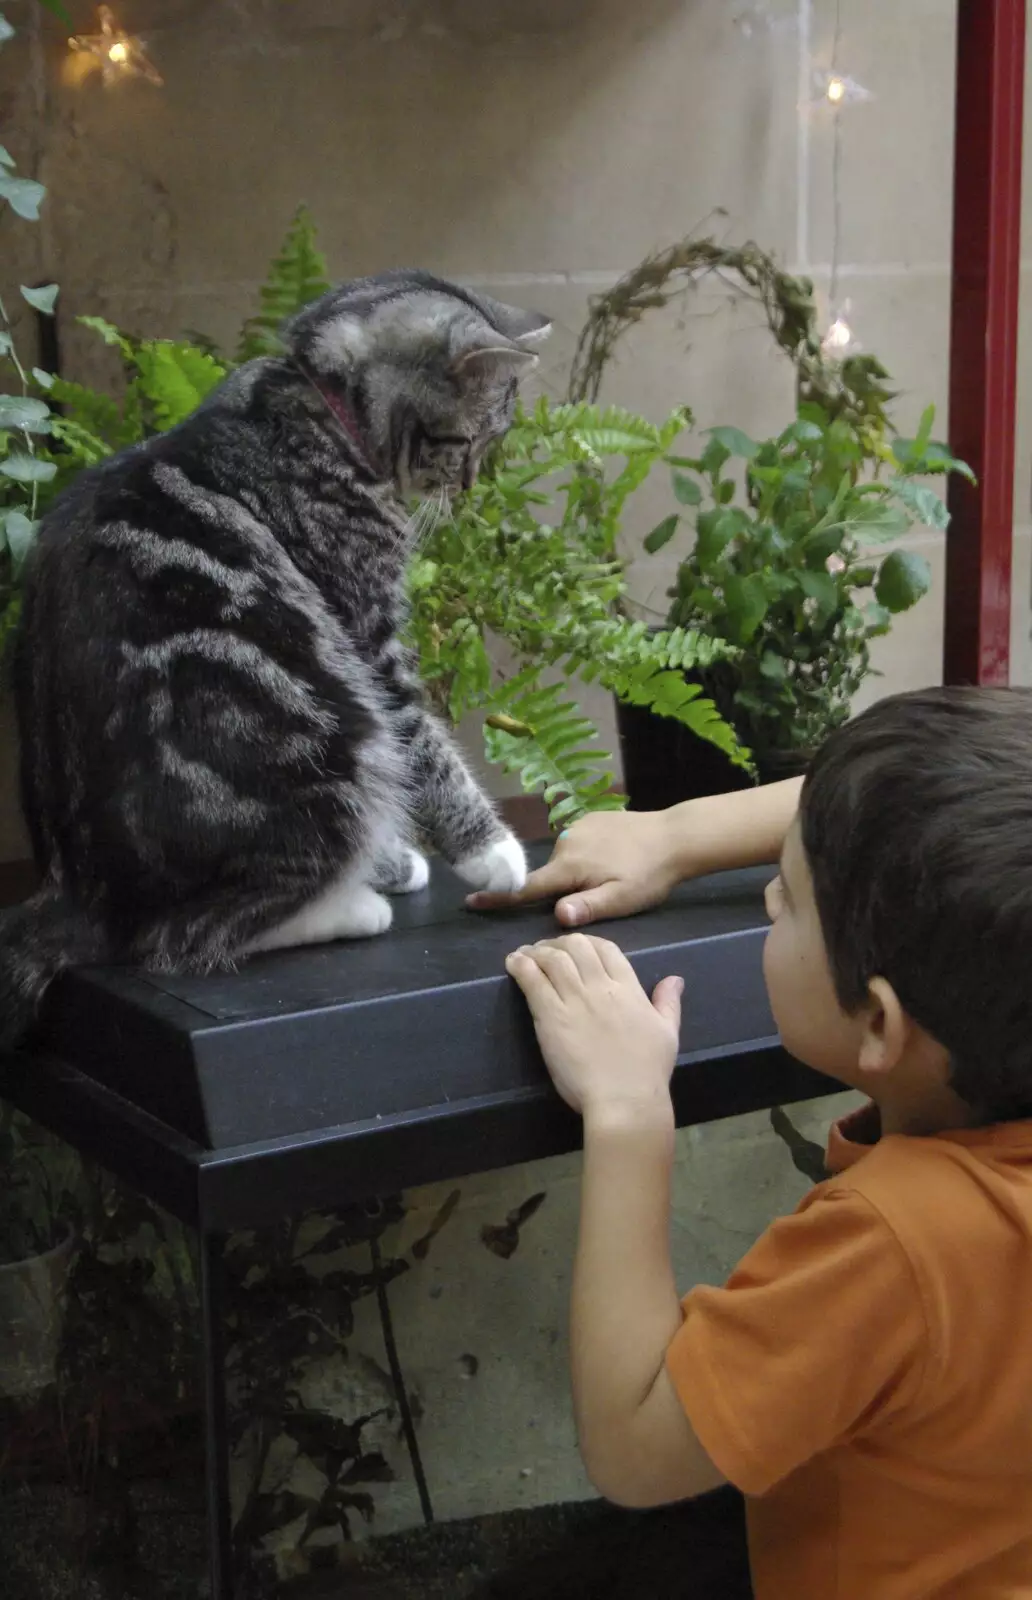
[{"x": 538, "y": 148}]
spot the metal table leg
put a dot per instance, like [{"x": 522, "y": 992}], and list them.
[{"x": 216, "y": 1431}]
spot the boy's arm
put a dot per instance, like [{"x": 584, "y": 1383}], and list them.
[
  {"x": 637, "y": 1443},
  {"x": 614, "y": 863},
  {"x": 611, "y": 1052}
]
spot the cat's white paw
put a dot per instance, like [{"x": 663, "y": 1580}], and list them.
[
  {"x": 346, "y": 910},
  {"x": 415, "y": 874},
  {"x": 500, "y": 869}
]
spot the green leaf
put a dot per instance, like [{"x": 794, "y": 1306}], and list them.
[
  {"x": 22, "y": 411},
  {"x": 6, "y": 158},
  {"x": 821, "y": 587},
  {"x": 108, "y": 332},
  {"x": 540, "y": 737},
  {"x": 297, "y": 275},
  {"x": 42, "y": 299},
  {"x": 714, "y": 457},
  {"x": 773, "y": 667},
  {"x": 923, "y": 502},
  {"x": 802, "y": 431},
  {"x": 715, "y": 530},
  {"x": 662, "y": 533},
  {"x": 827, "y": 542},
  {"x": 23, "y": 195},
  {"x": 877, "y": 619},
  {"x": 686, "y": 490},
  {"x": 6, "y": 31},
  {"x": 747, "y": 603},
  {"x": 44, "y": 379},
  {"x": 902, "y": 580},
  {"x": 735, "y": 442},
  {"x": 175, "y": 378},
  {"x": 59, "y": 10},
  {"x": 27, "y": 469},
  {"x": 19, "y": 532},
  {"x": 6, "y": 343}
]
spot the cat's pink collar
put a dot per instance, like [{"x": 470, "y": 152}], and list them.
[{"x": 348, "y": 421}]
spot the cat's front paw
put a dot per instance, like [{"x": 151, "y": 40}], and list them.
[{"x": 501, "y": 868}]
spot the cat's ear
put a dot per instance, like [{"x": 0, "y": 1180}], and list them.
[
  {"x": 476, "y": 347},
  {"x": 487, "y": 358}
]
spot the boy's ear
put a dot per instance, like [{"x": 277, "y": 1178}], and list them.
[{"x": 886, "y": 1028}]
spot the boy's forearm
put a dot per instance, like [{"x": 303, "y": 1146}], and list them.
[
  {"x": 625, "y": 1308},
  {"x": 717, "y": 833}
]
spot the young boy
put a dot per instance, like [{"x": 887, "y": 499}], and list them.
[{"x": 865, "y": 1376}]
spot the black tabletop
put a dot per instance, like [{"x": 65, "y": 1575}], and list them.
[{"x": 421, "y": 1017}]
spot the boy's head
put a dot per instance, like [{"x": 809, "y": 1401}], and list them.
[{"x": 903, "y": 916}]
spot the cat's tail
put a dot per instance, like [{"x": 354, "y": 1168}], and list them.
[{"x": 38, "y": 939}]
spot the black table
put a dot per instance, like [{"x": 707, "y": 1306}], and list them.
[{"x": 315, "y": 1077}]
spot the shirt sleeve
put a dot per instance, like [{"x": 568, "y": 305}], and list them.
[{"x": 818, "y": 1334}]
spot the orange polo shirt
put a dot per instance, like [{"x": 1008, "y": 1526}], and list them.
[{"x": 866, "y": 1374}]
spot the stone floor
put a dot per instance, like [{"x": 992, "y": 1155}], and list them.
[{"x": 582, "y": 1551}]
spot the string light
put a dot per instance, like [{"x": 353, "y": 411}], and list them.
[
  {"x": 112, "y": 52},
  {"x": 836, "y": 90}
]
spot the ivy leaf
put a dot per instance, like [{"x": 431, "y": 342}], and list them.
[
  {"x": 23, "y": 195},
  {"x": 902, "y": 580},
  {"x": 662, "y": 533},
  {"x": 22, "y": 411},
  {"x": 44, "y": 379},
  {"x": 6, "y": 158},
  {"x": 735, "y": 442},
  {"x": 28, "y": 469},
  {"x": 686, "y": 490},
  {"x": 20, "y": 531},
  {"x": 42, "y": 299}
]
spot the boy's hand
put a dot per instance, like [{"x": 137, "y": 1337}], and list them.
[
  {"x": 609, "y": 864},
  {"x": 608, "y": 1047}
]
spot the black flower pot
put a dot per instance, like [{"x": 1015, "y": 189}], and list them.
[{"x": 665, "y": 763}]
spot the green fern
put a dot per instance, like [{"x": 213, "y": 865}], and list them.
[
  {"x": 297, "y": 275},
  {"x": 97, "y": 415},
  {"x": 532, "y": 732},
  {"x": 174, "y": 379}
]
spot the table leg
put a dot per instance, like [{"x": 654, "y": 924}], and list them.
[{"x": 216, "y": 1429}]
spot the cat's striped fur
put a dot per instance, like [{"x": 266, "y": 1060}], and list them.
[{"x": 224, "y": 744}]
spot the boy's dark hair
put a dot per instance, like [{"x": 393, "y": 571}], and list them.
[{"x": 916, "y": 823}]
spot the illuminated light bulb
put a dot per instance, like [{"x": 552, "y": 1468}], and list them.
[
  {"x": 839, "y": 335},
  {"x": 112, "y": 51},
  {"x": 836, "y": 91}
]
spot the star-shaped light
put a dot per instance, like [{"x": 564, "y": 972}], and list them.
[{"x": 114, "y": 52}]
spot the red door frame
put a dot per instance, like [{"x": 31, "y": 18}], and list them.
[{"x": 984, "y": 336}]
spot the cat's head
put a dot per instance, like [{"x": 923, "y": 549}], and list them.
[{"x": 430, "y": 370}]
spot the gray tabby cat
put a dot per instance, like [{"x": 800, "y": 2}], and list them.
[{"x": 224, "y": 744}]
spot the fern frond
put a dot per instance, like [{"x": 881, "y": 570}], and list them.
[
  {"x": 667, "y": 694},
  {"x": 297, "y": 275},
  {"x": 175, "y": 378},
  {"x": 97, "y": 414},
  {"x": 532, "y": 732}
]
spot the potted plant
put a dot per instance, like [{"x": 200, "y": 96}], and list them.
[{"x": 782, "y": 572}]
